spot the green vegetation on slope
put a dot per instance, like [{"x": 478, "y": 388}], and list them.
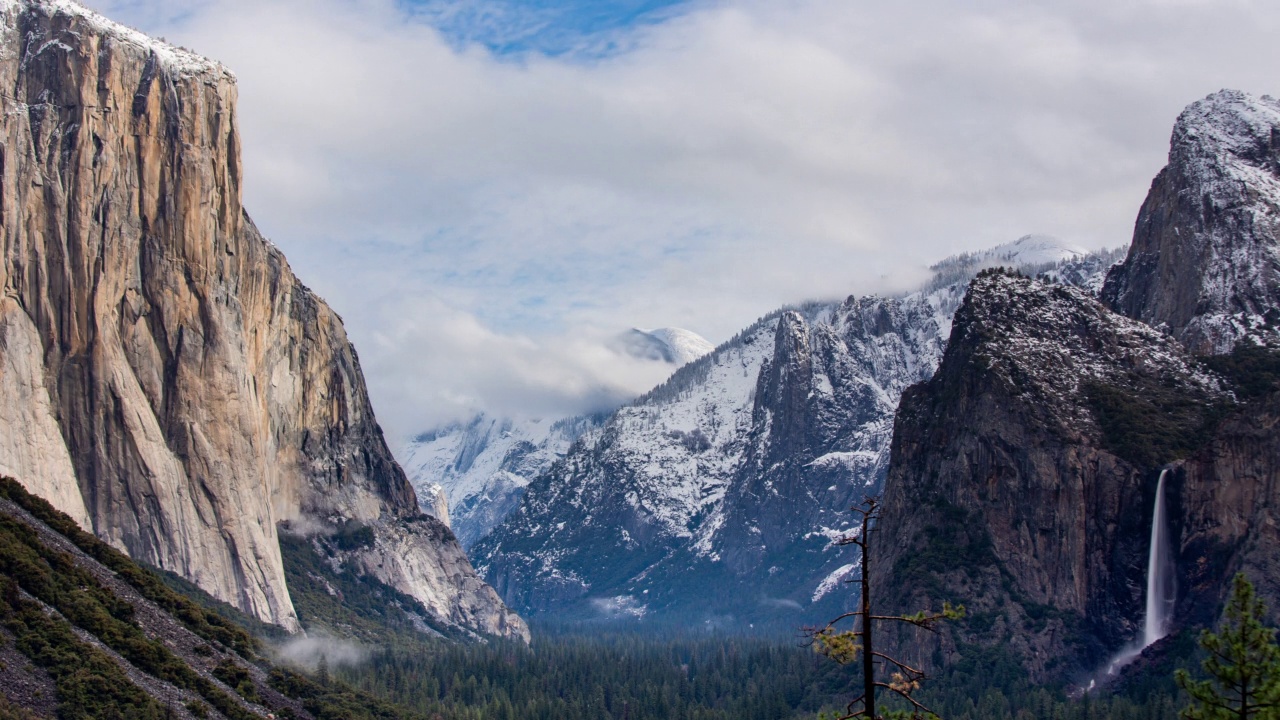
[
  {"x": 345, "y": 604},
  {"x": 1149, "y": 423},
  {"x": 1253, "y": 371},
  {"x": 54, "y": 578},
  {"x": 89, "y": 683},
  {"x": 207, "y": 625}
]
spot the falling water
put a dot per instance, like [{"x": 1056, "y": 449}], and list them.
[{"x": 1162, "y": 588}]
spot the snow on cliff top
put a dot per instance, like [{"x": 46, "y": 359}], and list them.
[
  {"x": 175, "y": 59},
  {"x": 1223, "y": 140},
  {"x": 1227, "y": 123}
]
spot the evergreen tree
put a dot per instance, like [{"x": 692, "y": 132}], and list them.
[
  {"x": 1243, "y": 664},
  {"x": 846, "y": 646}
]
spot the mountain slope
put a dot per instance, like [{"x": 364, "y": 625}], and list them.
[
  {"x": 675, "y": 346},
  {"x": 88, "y": 633},
  {"x": 483, "y": 466},
  {"x": 717, "y": 496},
  {"x": 478, "y": 470},
  {"x": 187, "y": 391}
]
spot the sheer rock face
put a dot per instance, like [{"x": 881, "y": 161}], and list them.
[
  {"x": 202, "y": 393},
  {"x": 1001, "y": 492},
  {"x": 1205, "y": 260},
  {"x": 1226, "y": 502}
]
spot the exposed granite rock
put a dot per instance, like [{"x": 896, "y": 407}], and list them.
[
  {"x": 435, "y": 503},
  {"x": 1226, "y": 506},
  {"x": 202, "y": 393},
  {"x": 30, "y": 440},
  {"x": 1205, "y": 260},
  {"x": 422, "y": 559},
  {"x": 1002, "y": 491}
]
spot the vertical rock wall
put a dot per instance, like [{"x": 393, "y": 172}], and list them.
[{"x": 201, "y": 392}]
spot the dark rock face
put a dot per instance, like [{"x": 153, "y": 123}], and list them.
[
  {"x": 1023, "y": 474},
  {"x": 1002, "y": 493},
  {"x": 1205, "y": 260},
  {"x": 1227, "y": 501}
]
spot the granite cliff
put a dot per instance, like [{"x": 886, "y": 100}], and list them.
[
  {"x": 1205, "y": 261},
  {"x": 165, "y": 379},
  {"x": 1023, "y": 474},
  {"x": 1009, "y": 490}
]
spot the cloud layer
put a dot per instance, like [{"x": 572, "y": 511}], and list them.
[{"x": 484, "y": 223}]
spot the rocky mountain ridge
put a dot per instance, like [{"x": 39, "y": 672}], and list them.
[
  {"x": 188, "y": 393},
  {"x": 728, "y": 481}
]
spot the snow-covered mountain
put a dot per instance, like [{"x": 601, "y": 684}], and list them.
[
  {"x": 674, "y": 346},
  {"x": 480, "y": 468},
  {"x": 718, "y": 495},
  {"x": 472, "y": 475}
]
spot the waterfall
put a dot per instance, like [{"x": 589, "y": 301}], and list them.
[
  {"x": 1162, "y": 585},
  {"x": 1162, "y": 589}
]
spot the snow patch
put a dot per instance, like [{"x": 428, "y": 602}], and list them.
[{"x": 833, "y": 580}]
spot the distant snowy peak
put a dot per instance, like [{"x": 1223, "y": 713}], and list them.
[
  {"x": 676, "y": 346},
  {"x": 1036, "y": 250}
]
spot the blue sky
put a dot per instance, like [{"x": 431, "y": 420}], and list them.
[
  {"x": 489, "y": 191},
  {"x": 579, "y": 28}
]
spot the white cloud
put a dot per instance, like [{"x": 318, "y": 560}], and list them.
[{"x": 481, "y": 222}]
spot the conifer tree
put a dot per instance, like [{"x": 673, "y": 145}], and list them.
[
  {"x": 847, "y": 646},
  {"x": 1243, "y": 664}
]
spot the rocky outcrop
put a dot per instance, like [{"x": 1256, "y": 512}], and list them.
[
  {"x": 201, "y": 392},
  {"x": 1023, "y": 474},
  {"x": 435, "y": 502},
  {"x": 1010, "y": 488},
  {"x": 1205, "y": 261}
]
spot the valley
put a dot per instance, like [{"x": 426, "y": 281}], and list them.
[{"x": 202, "y": 517}]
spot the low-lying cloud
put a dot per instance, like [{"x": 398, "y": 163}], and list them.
[
  {"x": 484, "y": 223},
  {"x": 307, "y": 651}
]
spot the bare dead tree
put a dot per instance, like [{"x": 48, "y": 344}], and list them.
[{"x": 847, "y": 646}]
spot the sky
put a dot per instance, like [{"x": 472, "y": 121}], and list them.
[{"x": 487, "y": 191}]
